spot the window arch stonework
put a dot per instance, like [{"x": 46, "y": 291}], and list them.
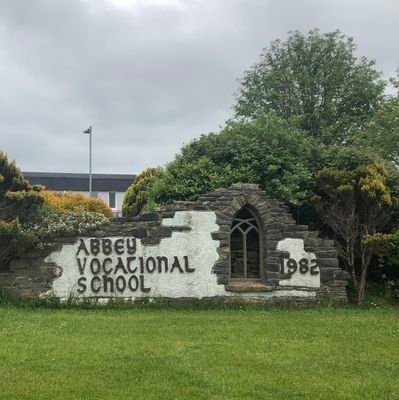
[
  {"x": 275, "y": 223},
  {"x": 271, "y": 216}
]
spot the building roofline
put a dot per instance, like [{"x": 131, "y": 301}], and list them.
[{"x": 76, "y": 175}]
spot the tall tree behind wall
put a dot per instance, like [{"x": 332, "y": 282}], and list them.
[{"x": 317, "y": 80}]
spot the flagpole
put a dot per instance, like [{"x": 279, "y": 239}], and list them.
[
  {"x": 90, "y": 163},
  {"x": 89, "y": 132}
]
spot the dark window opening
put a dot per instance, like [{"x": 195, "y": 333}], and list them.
[
  {"x": 245, "y": 246},
  {"x": 112, "y": 199}
]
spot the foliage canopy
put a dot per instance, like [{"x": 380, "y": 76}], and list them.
[
  {"x": 136, "y": 195},
  {"x": 267, "y": 151},
  {"x": 315, "y": 79}
]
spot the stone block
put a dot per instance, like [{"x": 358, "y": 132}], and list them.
[
  {"x": 271, "y": 260},
  {"x": 222, "y": 279},
  {"x": 273, "y": 267},
  {"x": 168, "y": 214},
  {"x": 248, "y": 286},
  {"x": 327, "y": 274},
  {"x": 341, "y": 275},
  {"x": 296, "y": 235},
  {"x": 139, "y": 232},
  {"x": 272, "y": 227},
  {"x": 151, "y": 241},
  {"x": 150, "y": 217},
  {"x": 274, "y": 235},
  {"x": 271, "y": 244},
  {"x": 328, "y": 262},
  {"x": 275, "y": 253},
  {"x": 327, "y": 253},
  {"x": 180, "y": 228},
  {"x": 318, "y": 242},
  {"x": 220, "y": 235},
  {"x": 294, "y": 228},
  {"x": 336, "y": 283},
  {"x": 160, "y": 231},
  {"x": 224, "y": 227},
  {"x": 199, "y": 207}
]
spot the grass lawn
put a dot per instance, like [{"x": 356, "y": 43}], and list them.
[{"x": 166, "y": 353}]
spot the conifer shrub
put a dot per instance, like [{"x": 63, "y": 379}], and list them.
[{"x": 136, "y": 197}]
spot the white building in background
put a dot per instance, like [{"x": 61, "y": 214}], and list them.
[{"x": 110, "y": 188}]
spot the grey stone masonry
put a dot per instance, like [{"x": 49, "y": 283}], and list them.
[
  {"x": 31, "y": 276},
  {"x": 277, "y": 224}
]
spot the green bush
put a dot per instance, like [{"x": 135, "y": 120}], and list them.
[
  {"x": 19, "y": 200},
  {"x": 136, "y": 197},
  {"x": 268, "y": 151},
  {"x": 50, "y": 224},
  {"x": 13, "y": 241}
]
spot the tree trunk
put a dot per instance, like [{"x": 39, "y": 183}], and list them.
[{"x": 366, "y": 259}]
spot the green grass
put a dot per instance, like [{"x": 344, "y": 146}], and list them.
[{"x": 164, "y": 353}]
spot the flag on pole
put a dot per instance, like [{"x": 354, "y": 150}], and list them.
[{"x": 88, "y": 130}]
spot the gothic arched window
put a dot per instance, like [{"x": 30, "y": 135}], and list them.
[{"x": 245, "y": 251}]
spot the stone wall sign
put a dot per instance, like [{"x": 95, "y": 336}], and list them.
[{"x": 233, "y": 244}]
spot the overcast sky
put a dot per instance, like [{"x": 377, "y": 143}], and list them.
[{"x": 149, "y": 75}]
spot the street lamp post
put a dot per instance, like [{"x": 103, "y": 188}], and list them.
[{"x": 89, "y": 132}]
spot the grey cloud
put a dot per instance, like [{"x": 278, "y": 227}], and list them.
[{"x": 149, "y": 78}]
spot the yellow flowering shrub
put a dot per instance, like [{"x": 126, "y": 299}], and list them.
[{"x": 76, "y": 201}]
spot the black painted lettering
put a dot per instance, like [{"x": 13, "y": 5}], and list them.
[
  {"x": 314, "y": 267},
  {"x": 133, "y": 283},
  {"x": 119, "y": 266},
  {"x": 80, "y": 266},
  {"x": 186, "y": 266},
  {"x": 292, "y": 266},
  {"x": 108, "y": 284},
  {"x": 281, "y": 265},
  {"x": 162, "y": 264},
  {"x": 131, "y": 245},
  {"x": 150, "y": 265},
  {"x": 142, "y": 285},
  {"x": 129, "y": 261},
  {"x": 82, "y": 284},
  {"x": 95, "y": 246},
  {"x": 141, "y": 264},
  {"x": 107, "y": 268},
  {"x": 119, "y": 246},
  {"x": 176, "y": 264},
  {"x": 82, "y": 246},
  {"x": 95, "y": 266},
  {"x": 93, "y": 288},
  {"x": 120, "y": 283},
  {"x": 107, "y": 246},
  {"x": 303, "y": 265}
]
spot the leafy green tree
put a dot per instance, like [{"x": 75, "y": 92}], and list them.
[
  {"x": 317, "y": 80},
  {"x": 267, "y": 151},
  {"x": 136, "y": 197},
  {"x": 382, "y": 134},
  {"x": 356, "y": 204}
]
